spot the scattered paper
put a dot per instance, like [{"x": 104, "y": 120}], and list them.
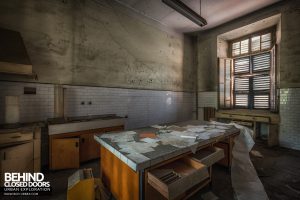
[
  {"x": 150, "y": 140},
  {"x": 196, "y": 129},
  {"x": 222, "y": 127},
  {"x": 158, "y": 126},
  {"x": 136, "y": 147},
  {"x": 147, "y": 135},
  {"x": 120, "y": 137},
  {"x": 123, "y": 138},
  {"x": 176, "y": 141},
  {"x": 215, "y": 130}
]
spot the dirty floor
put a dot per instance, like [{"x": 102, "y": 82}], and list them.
[{"x": 278, "y": 169}]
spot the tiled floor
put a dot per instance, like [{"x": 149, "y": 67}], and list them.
[{"x": 279, "y": 170}]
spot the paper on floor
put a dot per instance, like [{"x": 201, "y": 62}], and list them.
[{"x": 245, "y": 182}]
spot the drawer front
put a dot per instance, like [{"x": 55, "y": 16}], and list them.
[
  {"x": 7, "y": 138},
  {"x": 175, "y": 178},
  {"x": 209, "y": 156},
  {"x": 225, "y": 147}
]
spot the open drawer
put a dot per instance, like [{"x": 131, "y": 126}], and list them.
[
  {"x": 174, "y": 178},
  {"x": 208, "y": 156}
]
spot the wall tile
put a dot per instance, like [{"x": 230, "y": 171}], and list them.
[{"x": 289, "y": 135}]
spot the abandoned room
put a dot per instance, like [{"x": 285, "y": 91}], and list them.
[{"x": 150, "y": 99}]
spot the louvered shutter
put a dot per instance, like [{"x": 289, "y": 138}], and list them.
[
  {"x": 261, "y": 42},
  {"x": 261, "y": 62},
  {"x": 261, "y": 81},
  {"x": 273, "y": 94},
  {"x": 225, "y": 92},
  {"x": 241, "y": 83},
  {"x": 241, "y": 65}
]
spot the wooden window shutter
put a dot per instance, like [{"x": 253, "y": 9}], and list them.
[
  {"x": 273, "y": 95},
  {"x": 225, "y": 83}
]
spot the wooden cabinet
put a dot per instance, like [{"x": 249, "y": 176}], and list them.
[
  {"x": 89, "y": 148},
  {"x": 225, "y": 160},
  {"x": 16, "y": 158},
  {"x": 65, "y": 153},
  {"x": 175, "y": 178},
  {"x": 68, "y": 150},
  {"x": 20, "y": 151}
]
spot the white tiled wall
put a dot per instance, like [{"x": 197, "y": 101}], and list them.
[
  {"x": 143, "y": 107},
  {"x": 290, "y": 115},
  {"x": 207, "y": 99},
  {"x": 32, "y": 107}
]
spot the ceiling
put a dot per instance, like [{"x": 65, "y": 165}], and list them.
[{"x": 216, "y": 12}]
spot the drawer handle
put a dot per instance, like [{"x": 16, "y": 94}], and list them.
[
  {"x": 76, "y": 144},
  {"x": 82, "y": 140},
  {"x": 16, "y": 136},
  {"x": 4, "y": 155}
]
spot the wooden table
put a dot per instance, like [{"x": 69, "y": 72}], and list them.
[
  {"x": 128, "y": 180},
  {"x": 254, "y": 118}
]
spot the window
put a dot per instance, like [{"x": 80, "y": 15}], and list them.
[{"x": 247, "y": 79}]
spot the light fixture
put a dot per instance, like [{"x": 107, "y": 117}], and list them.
[{"x": 186, "y": 11}]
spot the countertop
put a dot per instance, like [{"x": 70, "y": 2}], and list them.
[
  {"x": 75, "y": 124},
  {"x": 162, "y": 142},
  {"x": 20, "y": 127},
  {"x": 64, "y": 120}
]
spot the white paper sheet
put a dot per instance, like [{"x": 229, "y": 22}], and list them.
[
  {"x": 175, "y": 140},
  {"x": 245, "y": 182},
  {"x": 158, "y": 126},
  {"x": 136, "y": 147},
  {"x": 150, "y": 140}
]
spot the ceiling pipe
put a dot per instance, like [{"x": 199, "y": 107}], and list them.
[{"x": 186, "y": 11}]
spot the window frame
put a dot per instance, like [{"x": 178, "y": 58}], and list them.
[
  {"x": 271, "y": 30},
  {"x": 251, "y": 93}
]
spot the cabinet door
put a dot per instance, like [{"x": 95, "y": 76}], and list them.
[
  {"x": 89, "y": 148},
  {"x": 18, "y": 158},
  {"x": 65, "y": 153}
]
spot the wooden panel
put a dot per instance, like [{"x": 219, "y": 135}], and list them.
[
  {"x": 174, "y": 179},
  {"x": 274, "y": 118},
  {"x": 209, "y": 155},
  {"x": 89, "y": 147},
  {"x": 225, "y": 147},
  {"x": 17, "y": 158},
  {"x": 121, "y": 179},
  {"x": 11, "y": 138},
  {"x": 14, "y": 68},
  {"x": 62, "y": 149},
  {"x": 243, "y": 117},
  {"x": 209, "y": 113},
  {"x": 18, "y": 151},
  {"x": 83, "y": 155}
]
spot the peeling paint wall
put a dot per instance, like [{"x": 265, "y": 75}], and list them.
[
  {"x": 98, "y": 43},
  {"x": 289, "y": 48}
]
